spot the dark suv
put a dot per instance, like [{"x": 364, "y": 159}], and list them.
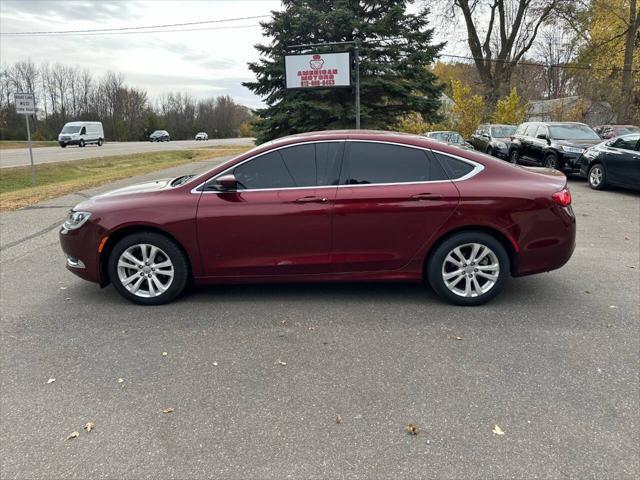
[
  {"x": 552, "y": 144},
  {"x": 493, "y": 139}
]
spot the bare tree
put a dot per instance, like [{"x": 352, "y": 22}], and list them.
[
  {"x": 556, "y": 48},
  {"x": 509, "y": 34}
]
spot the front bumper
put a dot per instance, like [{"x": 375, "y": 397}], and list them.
[
  {"x": 69, "y": 142},
  {"x": 81, "y": 250}
]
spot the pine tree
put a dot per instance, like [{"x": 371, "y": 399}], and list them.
[{"x": 395, "y": 47}]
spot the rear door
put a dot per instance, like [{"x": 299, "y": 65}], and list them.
[
  {"x": 527, "y": 143},
  {"x": 278, "y": 221},
  {"x": 391, "y": 200}
]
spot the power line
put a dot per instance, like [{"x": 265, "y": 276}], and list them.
[
  {"x": 227, "y": 27},
  {"x": 119, "y": 29}
]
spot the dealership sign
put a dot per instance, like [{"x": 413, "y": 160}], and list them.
[{"x": 318, "y": 70}]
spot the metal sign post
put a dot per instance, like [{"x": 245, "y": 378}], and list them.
[
  {"x": 26, "y": 105},
  {"x": 330, "y": 77}
]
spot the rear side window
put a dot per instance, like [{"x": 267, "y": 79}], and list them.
[
  {"x": 376, "y": 163},
  {"x": 456, "y": 168}
]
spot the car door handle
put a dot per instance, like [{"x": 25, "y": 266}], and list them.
[
  {"x": 311, "y": 200},
  {"x": 426, "y": 196}
]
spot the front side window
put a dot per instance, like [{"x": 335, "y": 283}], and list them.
[
  {"x": 542, "y": 130},
  {"x": 628, "y": 142},
  {"x": 379, "y": 163},
  {"x": 308, "y": 165}
]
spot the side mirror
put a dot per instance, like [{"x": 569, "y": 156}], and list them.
[
  {"x": 542, "y": 136},
  {"x": 227, "y": 182},
  {"x": 486, "y": 135}
]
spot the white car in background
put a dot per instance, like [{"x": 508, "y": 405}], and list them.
[
  {"x": 202, "y": 136},
  {"x": 81, "y": 134}
]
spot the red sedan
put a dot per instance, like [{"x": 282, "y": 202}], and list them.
[{"x": 326, "y": 206}]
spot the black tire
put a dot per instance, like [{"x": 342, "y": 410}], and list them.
[
  {"x": 436, "y": 264},
  {"x": 81, "y": 143},
  {"x": 178, "y": 258},
  {"x": 489, "y": 151},
  {"x": 63, "y": 145},
  {"x": 551, "y": 161},
  {"x": 514, "y": 156},
  {"x": 100, "y": 142},
  {"x": 593, "y": 175}
]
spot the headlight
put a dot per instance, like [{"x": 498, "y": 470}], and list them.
[
  {"x": 501, "y": 145},
  {"x": 76, "y": 220},
  {"x": 571, "y": 149}
]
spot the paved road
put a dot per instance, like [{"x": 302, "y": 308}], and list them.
[
  {"x": 20, "y": 156},
  {"x": 553, "y": 362}
]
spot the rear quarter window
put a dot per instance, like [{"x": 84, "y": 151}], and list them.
[{"x": 454, "y": 167}]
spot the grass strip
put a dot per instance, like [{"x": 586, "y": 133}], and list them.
[
  {"x": 6, "y": 144},
  {"x": 61, "y": 178}
]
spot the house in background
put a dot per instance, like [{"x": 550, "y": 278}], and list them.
[{"x": 574, "y": 108}]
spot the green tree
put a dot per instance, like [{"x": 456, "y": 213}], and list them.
[
  {"x": 467, "y": 111},
  {"x": 511, "y": 109},
  {"x": 393, "y": 79}
]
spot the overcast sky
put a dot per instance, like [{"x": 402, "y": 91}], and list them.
[{"x": 204, "y": 63}]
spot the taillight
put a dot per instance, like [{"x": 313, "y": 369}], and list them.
[{"x": 562, "y": 198}]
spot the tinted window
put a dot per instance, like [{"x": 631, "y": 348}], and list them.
[
  {"x": 531, "y": 130},
  {"x": 300, "y": 162},
  {"x": 328, "y": 156},
  {"x": 456, "y": 168},
  {"x": 266, "y": 171},
  {"x": 383, "y": 163},
  {"x": 628, "y": 142},
  {"x": 502, "y": 131},
  {"x": 573, "y": 132}
]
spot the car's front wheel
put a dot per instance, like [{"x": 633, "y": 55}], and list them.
[
  {"x": 514, "y": 156},
  {"x": 148, "y": 268},
  {"x": 551, "y": 161},
  {"x": 81, "y": 143},
  {"x": 597, "y": 177},
  {"x": 489, "y": 150},
  {"x": 468, "y": 268}
]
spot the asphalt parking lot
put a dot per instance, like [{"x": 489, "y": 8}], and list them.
[{"x": 257, "y": 375}]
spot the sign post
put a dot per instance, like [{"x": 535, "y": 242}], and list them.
[
  {"x": 326, "y": 70},
  {"x": 26, "y": 105}
]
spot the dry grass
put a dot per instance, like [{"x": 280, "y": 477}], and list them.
[
  {"x": 6, "y": 144},
  {"x": 61, "y": 178}
]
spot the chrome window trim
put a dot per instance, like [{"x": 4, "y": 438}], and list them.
[{"x": 477, "y": 168}]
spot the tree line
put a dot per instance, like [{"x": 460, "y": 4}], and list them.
[{"x": 66, "y": 93}]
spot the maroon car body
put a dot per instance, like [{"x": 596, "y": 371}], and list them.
[{"x": 344, "y": 231}]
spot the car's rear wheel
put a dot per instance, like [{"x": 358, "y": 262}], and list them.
[
  {"x": 514, "y": 156},
  {"x": 597, "y": 177},
  {"x": 100, "y": 142},
  {"x": 148, "y": 268},
  {"x": 468, "y": 268}
]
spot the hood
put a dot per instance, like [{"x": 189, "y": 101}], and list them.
[
  {"x": 579, "y": 143},
  {"x": 153, "y": 186}
]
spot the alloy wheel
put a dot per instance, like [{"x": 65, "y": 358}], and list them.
[
  {"x": 595, "y": 176},
  {"x": 145, "y": 270},
  {"x": 470, "y": 270}
]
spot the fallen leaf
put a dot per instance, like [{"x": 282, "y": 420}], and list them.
[
  {"x": 338, "y": 419},
  {"x": 120, "y": 380},
  {"x": 311, "y": 328},
  {"x": 215, "y": 364},
  {"x": 280, "y": 362},
  {"x": 456, "y": 337},
  {"x": 89, "y": 426},
  {"x": 587, "y": 291},
  {"x": 68, "y": 298},
  {"x": 626, "y": 238},
  {"x": 72, "y": 435},
  {"x": 612, "y": 306},
  {"x": 497, "y": 430},
  {"x": 51, "y": 380},
  {"x": 609, "y": 325},
  {"x": 412, "y": 429},
  {"x": 283, "y": 322},
  {"x": 63, "y": 288},
  {"x": 168, "y": 410}
]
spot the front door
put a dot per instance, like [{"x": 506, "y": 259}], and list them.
[
  {"x": 278, "y": 220},
  {"x": 391, "y": 200}
]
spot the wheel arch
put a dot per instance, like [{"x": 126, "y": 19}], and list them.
[
  {"x": 117, "y": 235},
  {"x": 508, "y": 244}
]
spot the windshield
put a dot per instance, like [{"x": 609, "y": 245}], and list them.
[
  {"x": 71, "y": 129},
  {"x": 158, "y": 132},
  {"x": 630, "y": 129},
  {"x": 572, "y": 132},
  {"x": 503, "y": 131},
  {"x": 449, "y": 137}
]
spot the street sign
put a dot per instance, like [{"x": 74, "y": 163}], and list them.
[
  {"x": 25, "y": 103},
  {"x": 318, "y": 70}
]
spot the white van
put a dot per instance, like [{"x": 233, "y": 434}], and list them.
[{"x": 81, "y": 133}]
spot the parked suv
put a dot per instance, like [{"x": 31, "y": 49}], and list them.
[
  {"x": 552, "y": 144},
  {"x": 493, "y": 139}
]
